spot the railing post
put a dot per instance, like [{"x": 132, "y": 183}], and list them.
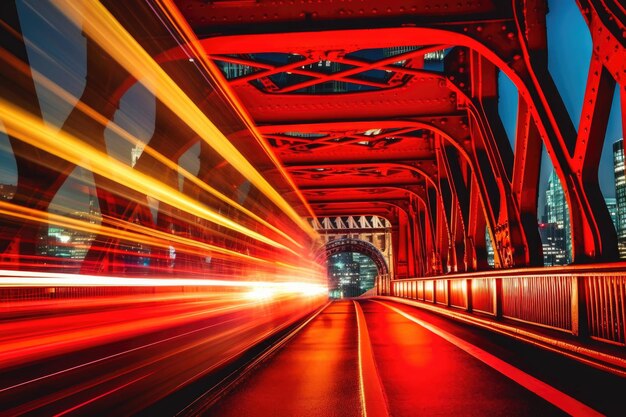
[
  {"x": 468, "y": 295},
  {"x": 497, "y": 298},
  {"x": 449, "y": 292},
  {"x": 580, "y": 325}
]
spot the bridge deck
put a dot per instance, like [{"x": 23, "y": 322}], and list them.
[{"x": 419, "y": 371}]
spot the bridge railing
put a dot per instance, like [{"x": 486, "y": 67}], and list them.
[{"x": 587, "y": 301}]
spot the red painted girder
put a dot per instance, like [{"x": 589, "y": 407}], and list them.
[
  {"x": 427, "y": 97},
  {"x": 588, "y": 150},
  {"x": 452, "y": 126},
  {"x": 366, "y": 182},
  {"x": 425, "y": 169},
  {"x": 477, "y": 260},
  {"x": 491, "y": 157},
  {"x": 350, "y": 175},
  {"x": 341, "y": 196},
  {"x": 454, "y": 172},
  {"x": 607, "y": 25},
  {"x": 332, "y": 210},
  {"x": 445, "y": 210},
  {"x": 350, "y": 193},
  {"x": 369, "y": 206},
  {"x": 359, "y": 66},
  {"x": 430, "y": 228},
  {"x": 537, "y": 87},
  {"x": 241, "y": 16},
  {"x": 525, "y": 180},
  {"x": 285, "y": 143}
]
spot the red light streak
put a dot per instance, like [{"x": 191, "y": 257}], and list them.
[
  {"x": 182, "y": 291},
  {"x": 205, "y": 327}
]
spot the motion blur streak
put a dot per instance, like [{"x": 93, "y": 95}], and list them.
[
  {"x": 31, "y": 130},
  {"x": 24, "y": 278},
  {"x": 189, "y": 39},
  {"x": 103, "y": 28},
  {"x": 103, "y": 121},
  {"x": 158, "y": 239},
  {"x": 166, "y": 276},
  {"x": 155, "y": 343}
]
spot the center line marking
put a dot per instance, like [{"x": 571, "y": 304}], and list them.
[{"x": 373, "y": 401}]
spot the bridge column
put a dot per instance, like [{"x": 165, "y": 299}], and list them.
[
  {"x": 431, "y": 209},
  {"x": 575, "y": 156},
  {"x": 515, "y": 242}
]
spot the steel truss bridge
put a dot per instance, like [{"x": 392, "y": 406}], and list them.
[{"x": 174, "y": 174}]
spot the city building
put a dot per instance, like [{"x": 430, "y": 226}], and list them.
[
  {"x": 611, "y": 205},
  {"x": 64, "y": 245},
  {"x": 233, "y": 70},
  {"x": 343, "y": 274},
  {"x": 367, "y": 272},
  {"x": 557, "y": 213},
  {"x": 620, "y": 195},
  {"x": 350, "y": 274},
  {"x": 433, "y": 61},
  {"x": 135, "y": 153},
  {"x": 553, "y": 239}
]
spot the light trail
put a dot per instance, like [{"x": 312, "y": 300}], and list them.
[
  {"x": 151, "y": 237},
  {"x": 9, "y": 278},
  {"x": 33, "y": 131},
  {"x": 217, "y": 276},
  {"x": 103, "y": 121},
  {"x": 171, "y": 339},
  {"x": 91, "y": 400},
  {"x": 189, "y": 39},
  {"x": 104, "y": 29},
  {"x": 158, "y": 239}
]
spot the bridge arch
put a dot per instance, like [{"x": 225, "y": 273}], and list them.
[{"x": 353, "y": 245}]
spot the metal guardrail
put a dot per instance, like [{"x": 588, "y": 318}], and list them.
[{"x": 585, "y": 301}]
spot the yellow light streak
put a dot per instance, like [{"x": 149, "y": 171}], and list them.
[
  {"x": 104, "y": 29},
  {"x": 103, "y": 121},
  {"x": 180, "y": 25},
  {"x": 33, "y": 131},
  {"x": 158, "y": 239},
  {"x": 154, "y": 238}
]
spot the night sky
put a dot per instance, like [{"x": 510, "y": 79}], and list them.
[{"x": 61, "y": 57}]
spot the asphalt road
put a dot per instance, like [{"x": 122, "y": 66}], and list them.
[
  {"x": 356, "y": 358},
  {"x": 424, "y": 365}
]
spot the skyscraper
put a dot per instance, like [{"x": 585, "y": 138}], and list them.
[
  {"x": 557, "y": 213},
  {"x": 611, "y": 205},
  {"x": 620, "y": 195},
  {"x": 490, "y": 250},
  {"x": 135, "y": 153},
  {"x": 553, "y": 244},
  {"x": 367, "y": 272},
  {"x": 350, "y": 274}
]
